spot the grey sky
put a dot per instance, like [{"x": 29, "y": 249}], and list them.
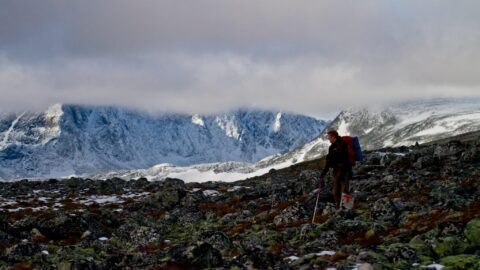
[{"x": 307, "y": 56}]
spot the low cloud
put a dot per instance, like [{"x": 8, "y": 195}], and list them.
[{"x": 210, "y": 56}]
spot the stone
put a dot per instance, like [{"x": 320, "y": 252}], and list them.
[
  {"x": 206, "y": 256},
  {"x": 472, "y": 231},
  {"x": 384, "y": 210},
  {"x": 461, "y": 262},
  {"x": 217, "y": 239}
]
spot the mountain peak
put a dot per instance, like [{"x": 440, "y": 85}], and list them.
[{"x": 91, "y": 139}]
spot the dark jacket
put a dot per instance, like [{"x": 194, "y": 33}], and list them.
[{"x": 337, "y": 156}]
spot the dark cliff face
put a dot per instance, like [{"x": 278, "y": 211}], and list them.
[
  {"x": 414, "y": 206},
  {"x": 70, "y": 139}
]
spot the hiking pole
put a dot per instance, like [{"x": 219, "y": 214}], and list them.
[{"x": 316, "y": 203}]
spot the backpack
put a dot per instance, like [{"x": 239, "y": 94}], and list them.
[{"x": 354, "y": 150}]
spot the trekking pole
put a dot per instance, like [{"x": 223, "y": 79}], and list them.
[{"x": 316, "y": 204}]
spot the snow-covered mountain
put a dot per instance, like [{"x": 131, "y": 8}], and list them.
[
  {"x": 76, "y": 140},
  {"x": 399, "y": 124}
]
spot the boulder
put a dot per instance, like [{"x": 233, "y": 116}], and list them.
[{"x": 472, "y": 231}]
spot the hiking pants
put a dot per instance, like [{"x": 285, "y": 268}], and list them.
[{"x": 341, "y": 183}]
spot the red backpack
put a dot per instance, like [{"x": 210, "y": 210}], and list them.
[{"x": 351, "y": 150}]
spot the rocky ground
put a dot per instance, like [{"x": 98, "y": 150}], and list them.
[{"x": 416, "y": 208}]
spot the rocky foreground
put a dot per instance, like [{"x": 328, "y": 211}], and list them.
[{"x": 416, "y": 208}]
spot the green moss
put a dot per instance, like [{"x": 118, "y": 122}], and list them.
[
  {"x": 401, "y": 265},
  {"x": 442, "y": 249},
  {"x": 116, "y": 242},
  {"x": 425, "y": 259},
  {"x": 449, "y": 246},
  {"x": 461, "y": 262},
  {"x": 420, "y": 246},
  {"x": 374, "y": 258},
  {"x": 370, "y": 233},
  {"x": 472, "y": 231}
]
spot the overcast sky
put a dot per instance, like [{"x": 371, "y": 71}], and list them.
[{"x": 306, "y": 56}]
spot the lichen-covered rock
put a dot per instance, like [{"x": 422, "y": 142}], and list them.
[
  {"x": 206, "y": 256},
  {"x": 290, "y": 214},
  {"x": 170, "y": 195},
  {"x": 62, "y": 225},
  {"x": 348, "y": 228},
  {"x": 399, "y": 252},
  {"x": 251, "y": 242},
  {"x": 461, "y": 262},
  {"x": 447, "y": 246},
  {"x": 376, "y": 259},
  {"x": 24, "y": 250},
  {"x": 236, "y": 218},
  {"x": 217, "y": 239},
  {"x": 472, "y": 231},
  {"x": 421, "y": 246},
  {"x": 448, "y": 195},
  {"x": 384, "y": 210}
]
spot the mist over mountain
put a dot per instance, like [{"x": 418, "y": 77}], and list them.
[
  {"x": 404, "y": 123},
  {"x": 72, "y": 139}
]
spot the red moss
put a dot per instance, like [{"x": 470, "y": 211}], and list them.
[
  {"x": 337, "y": 257},
  {"x": 72, "y": 240},
  {"x": 152, "y": 248},
  {"x": 220, "y": 209},
  {"x": 361, "y": 239},
  {"x": 40, "y": 239},
  {"x": 272, "y": 215},
  {"x": 277, "y": 248},
  {"x": 128, "y": 201},
  {"x": 320, "y": 219},
  {"x": 283, "y": 205},
  {"x": 261, "y": 209},
  {"x": 294, "y": 224},
  {"x": 239, "y": 228},
  {"x": 156, "y": 214},
  {"x": 302, "y": 198},
  {"x": 23, "y": 266},
  {"x": 421, "y": 224}
]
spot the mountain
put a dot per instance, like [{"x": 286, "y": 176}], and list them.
[
  {"x": 398, "y": 124},
  {"x": 74, "y": 140},
  {"x": 405, "y": 123}
]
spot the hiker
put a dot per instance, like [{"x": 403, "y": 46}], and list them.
[{"x": 338, "y": 160}]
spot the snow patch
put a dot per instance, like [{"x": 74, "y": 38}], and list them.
[
  {"x": 52, "y": 116},
  {"x": 235, "y": 188},
  {"x": 228, "y": 125},
  {"x": 369, "y": 130},
  {"x": 326, "y": 253},
  {"x": 6, "y": 136},
  {"x": 343, "y": 129},
  {"x": 210, "y": 193},
  {"x": 197, "y": 120},
  {"x": 432, "y": 131},
  {"x": 434, "y": 266},
  {"x": 277, "y": 124}
]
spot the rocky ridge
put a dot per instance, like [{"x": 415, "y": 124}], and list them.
[
  {"x": 68, "y": 140},
  {"x": 416, "y": 208}
]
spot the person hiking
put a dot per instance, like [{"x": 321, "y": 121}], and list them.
[{"x": 337, "y": 159}]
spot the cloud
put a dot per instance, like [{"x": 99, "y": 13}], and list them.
[{"x": 209, "y": 56}]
